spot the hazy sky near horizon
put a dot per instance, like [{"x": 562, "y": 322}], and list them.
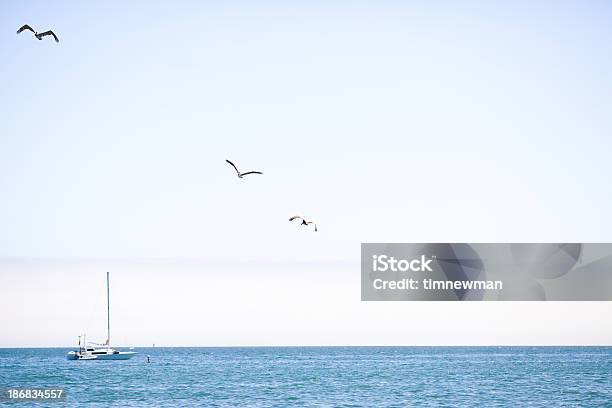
[{"x": 383, "y": 121}]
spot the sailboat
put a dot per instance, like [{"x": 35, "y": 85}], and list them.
[{"x": 100, "y": 351}]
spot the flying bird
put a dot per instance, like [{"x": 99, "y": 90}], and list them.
[
  {"x": 36, "y": 34},
  {"x": 304, "y": 221},
  {"x": 240, "y": 175}
]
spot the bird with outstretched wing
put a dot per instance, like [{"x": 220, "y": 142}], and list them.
[
  {"x": 304, "y": 221},
  {"x": 240, "y": 175},
  {"x": 38, "y": 35}
]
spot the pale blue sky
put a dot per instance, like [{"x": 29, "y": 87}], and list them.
[{"x": 383, "y": 121}]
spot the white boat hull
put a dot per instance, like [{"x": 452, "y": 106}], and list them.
[
  {"x": 114, "y": 355},
  {"x": 122, "y": 355}
]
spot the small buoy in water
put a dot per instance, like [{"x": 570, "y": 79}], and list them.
[{"x": 148, "y": 358}]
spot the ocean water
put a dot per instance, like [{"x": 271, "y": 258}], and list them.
[{"x": 323, "y": 377}]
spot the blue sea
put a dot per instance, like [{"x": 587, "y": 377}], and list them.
[{"x": 322, "y": 377}]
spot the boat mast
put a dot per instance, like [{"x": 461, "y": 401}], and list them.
[{"x": 107, "y": 311}]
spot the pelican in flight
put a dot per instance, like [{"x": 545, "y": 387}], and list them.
[
  {"x": 304, "y": 221},
  {"x": 240, "y": 175},
  {"x": 36, "y": 34}
]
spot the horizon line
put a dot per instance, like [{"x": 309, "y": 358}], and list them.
[{"x": 336, "y": 346}]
